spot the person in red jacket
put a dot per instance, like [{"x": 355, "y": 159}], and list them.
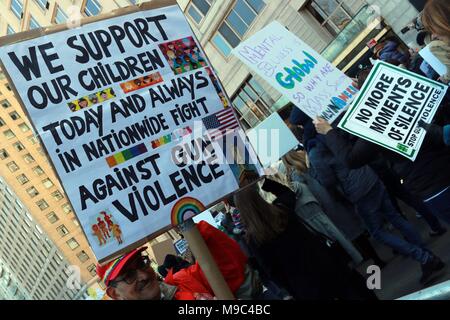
[{"x": 130, "y": 277}]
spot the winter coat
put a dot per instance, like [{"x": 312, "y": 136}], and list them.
[
  {"x": 227, "y": 254},
  {"x": 331, "y": 172},
  {"x": 424, "y": 177},
  {"x": 341, "y": 212},
  {"x": 299, "y": 262},
  {"x": 390, "y": 52}
]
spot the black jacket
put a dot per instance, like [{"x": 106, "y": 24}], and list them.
[
  {"x": 300, "y": 262},
  {"x": 427, "y": 175}
]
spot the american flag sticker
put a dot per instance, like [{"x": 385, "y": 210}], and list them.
[{"x": 219, "y": 123}]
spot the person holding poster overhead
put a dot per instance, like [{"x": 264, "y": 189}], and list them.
[
  {"x": 364, "y": 189},
  {"x": 425, "y": 187}
]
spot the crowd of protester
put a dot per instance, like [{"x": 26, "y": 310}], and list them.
[{"x": 302, "y": 233}]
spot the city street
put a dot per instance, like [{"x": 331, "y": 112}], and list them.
[{"x": 401, "y": 275}]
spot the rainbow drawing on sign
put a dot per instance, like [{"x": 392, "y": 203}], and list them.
[
  {"x": 186, "y": 208},
  {"x": 168, "y": 138},
  {"x": 126, "y": 155}
]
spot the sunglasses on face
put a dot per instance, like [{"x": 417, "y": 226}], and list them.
[{"x": 130, "y": 274}]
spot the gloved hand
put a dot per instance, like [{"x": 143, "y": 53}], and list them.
[
  {"x": 424, "y": 125},
  {"x": 432, "y": 129}
]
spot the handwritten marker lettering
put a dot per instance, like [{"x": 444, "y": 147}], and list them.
[{"x": 297, "y": 72}]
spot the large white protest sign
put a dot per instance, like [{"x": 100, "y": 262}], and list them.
[
  {"x": 272, "y": 139},
  {"x": 389, "y": 107},
  {"x": 116, "y": 104},
  {"x": 297, "y": 71}
]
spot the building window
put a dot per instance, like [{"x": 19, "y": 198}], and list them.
[
  {"x": 83, "y": 256},
  {"x": 10, "y": 30},
  {"x": 32, "y": 191},
  {"x": 42, "y": 204},
  {"x": 2, "y": 122},
  {"x": 8, "y": 87},
  {"x": 334, "y": 14},
  {"x": 66, "y": 208},
  {"x": 28, "y": 158},
  {"x": 33, "y": 24},
  {"x": 42, "y": 3},
  {"x": 41, "y": 152},
  {"x": 62, "y": 230},
  {"x": 75, "y": 221},
  {"x": 5, "y": 104},
  {"x": 3, "y": 154},
  {"x": 52, "y": 217},
  {"x": 12, "y": 166},
  {"x": 252, "y": 102},
  {"x": 18, "y": 146},
  {"x": 57, "y": 195},
  {"x": 24, "y": 127},
  {"x": 236, "y": 24},
  {"x": 60, "y": 16},
  {"x": 47, "y": 183},
  {"x": 72, "y": 243},
  {"x": 92, "y": 270},
  {"x": 16, "y": 8},
  {"x": 9, "y": 134},
  {"x": 22, "y": 179},
  {"x": 92, "y": 8},
  {"x": 38, "y": 170},
  {"x": 14, "y": 115},
  {"x": 32, "y": 139},
  {"x": 198, "y": 9}
]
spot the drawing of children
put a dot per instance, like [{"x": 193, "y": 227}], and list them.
[
  {"x": 171, "y": 54},
  {"x": 179, "y": 53},
  {"x": 147, "y": 80},
  {"x": 72, "y": 106},
  {"x": 117, "y": 233},
  {"x": 171, "y": 47},
  {"x": 104, "y": 95},
  {"x": 93, "y": 98},
  {"x": 187, "y": 42},
  {"x": 111, "y": 92},
  {"x": 97, "y": 232},
  {"x": 83, "y": 103},
  {"x": 138, "y": 82},
  {"x": 107, "y": 218},
  {"x": 187, "y": 53},
  {"x": 102, "y": 225}
]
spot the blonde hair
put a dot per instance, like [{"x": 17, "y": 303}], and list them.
[
  {"x": 435, "y": 18},
  {"x": 295, "y": 160}
]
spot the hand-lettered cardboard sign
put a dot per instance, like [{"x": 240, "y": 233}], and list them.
[
  {"x": 297, "y": 71},
  {"x": 134, "y": 120},
  {"x": 391, "y": 103}
]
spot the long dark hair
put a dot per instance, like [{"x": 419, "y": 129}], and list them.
[{"x": 263, "y": 221}]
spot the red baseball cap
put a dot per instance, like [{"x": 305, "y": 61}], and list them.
[{"x": 112, "y": 269}]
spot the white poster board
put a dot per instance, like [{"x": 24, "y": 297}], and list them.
[
  {"x": 433, "y": 61},
  {"x": 297, "y": 71},
  {"x": 271, "y": 139},
  {"x": 389, "y": 107},
  {"x": 131, "y": 114}
]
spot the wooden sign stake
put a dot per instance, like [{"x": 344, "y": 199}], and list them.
[{"x": 206, "y": 261}]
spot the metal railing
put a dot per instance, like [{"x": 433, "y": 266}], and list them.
[{"x": 438, "y": 292}]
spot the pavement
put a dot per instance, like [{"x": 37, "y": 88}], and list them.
[{"x": 401, "y": 275}]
